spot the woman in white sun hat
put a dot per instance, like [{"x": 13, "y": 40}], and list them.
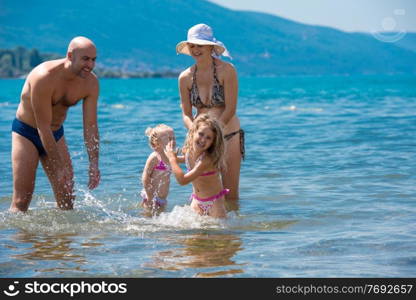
[{"x": 211, "y": 86}]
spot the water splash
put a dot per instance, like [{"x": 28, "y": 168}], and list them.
[{"x": 115, "y": 214}]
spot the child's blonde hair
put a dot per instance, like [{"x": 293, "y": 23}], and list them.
[
  {"x": 153, "y": 133},
  {"x": 217, "y": 149}
]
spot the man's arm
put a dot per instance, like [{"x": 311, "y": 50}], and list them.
[
  {"x": 41, "y": 101},
  {"x": 91, "y": 137}
]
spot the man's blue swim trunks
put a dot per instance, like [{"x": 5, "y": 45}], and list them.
[{"x": 32, "y": 134}]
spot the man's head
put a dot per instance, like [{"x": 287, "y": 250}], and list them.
[{"x": 82, "y": 54}]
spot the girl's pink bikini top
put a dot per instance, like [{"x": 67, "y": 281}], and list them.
[
  {"x": 161, "y": 166},
  {"x": 199, "y": 158}
]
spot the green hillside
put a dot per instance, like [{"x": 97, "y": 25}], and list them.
[{"x": 140, "y": 36}]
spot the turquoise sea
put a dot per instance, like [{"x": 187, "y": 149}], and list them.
[{"x": 328, "y": 188}]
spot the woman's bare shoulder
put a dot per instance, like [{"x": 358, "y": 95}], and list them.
[
  {"x": 185, "y": 74},
  {"x": 224, "y": 64},
  {"x": 225, "y": 67},
  {"x": 185, "y": 78}
]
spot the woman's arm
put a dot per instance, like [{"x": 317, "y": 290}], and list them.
[
  {"x": 230, "y": 94},
  {"x": 185, "y": 99}
]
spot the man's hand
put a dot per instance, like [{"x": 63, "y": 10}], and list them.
[{"x": 95, "y": 176}]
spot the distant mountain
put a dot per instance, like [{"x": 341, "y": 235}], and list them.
[
  {"x": 18, "y": 62},
  {"x": 142, "y": 35}
]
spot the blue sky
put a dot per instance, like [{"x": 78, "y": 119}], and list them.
[{"x": 347, "y": 15}]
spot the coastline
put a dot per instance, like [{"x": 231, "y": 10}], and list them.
[{"x": 18, "y": 62}]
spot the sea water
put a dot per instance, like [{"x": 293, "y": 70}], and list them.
[{"x": 328, "y": 187}]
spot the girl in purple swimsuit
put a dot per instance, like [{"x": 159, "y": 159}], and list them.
[
  {"x": 156, "y": 172},
  {"x": 204, "y": 157}
]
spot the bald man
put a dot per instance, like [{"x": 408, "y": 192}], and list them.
[{"x": 49, "y": 91}]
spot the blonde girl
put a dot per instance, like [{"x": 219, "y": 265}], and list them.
[
  {"x": 204, "y": 155},
  {"x": 156, "y": 172}
]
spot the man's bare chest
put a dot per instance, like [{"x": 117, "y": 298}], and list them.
[{"x": 68, "y": 96}]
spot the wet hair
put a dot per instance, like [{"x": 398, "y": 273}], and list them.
[
  {"x": 153, "y": 133},
  {"x": 217, "y": 149}
]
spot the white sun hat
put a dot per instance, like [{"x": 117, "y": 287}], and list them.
[{"x": 201, "y": 34}]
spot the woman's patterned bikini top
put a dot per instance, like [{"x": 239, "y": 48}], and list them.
[{"x": 217, "y": 99}]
